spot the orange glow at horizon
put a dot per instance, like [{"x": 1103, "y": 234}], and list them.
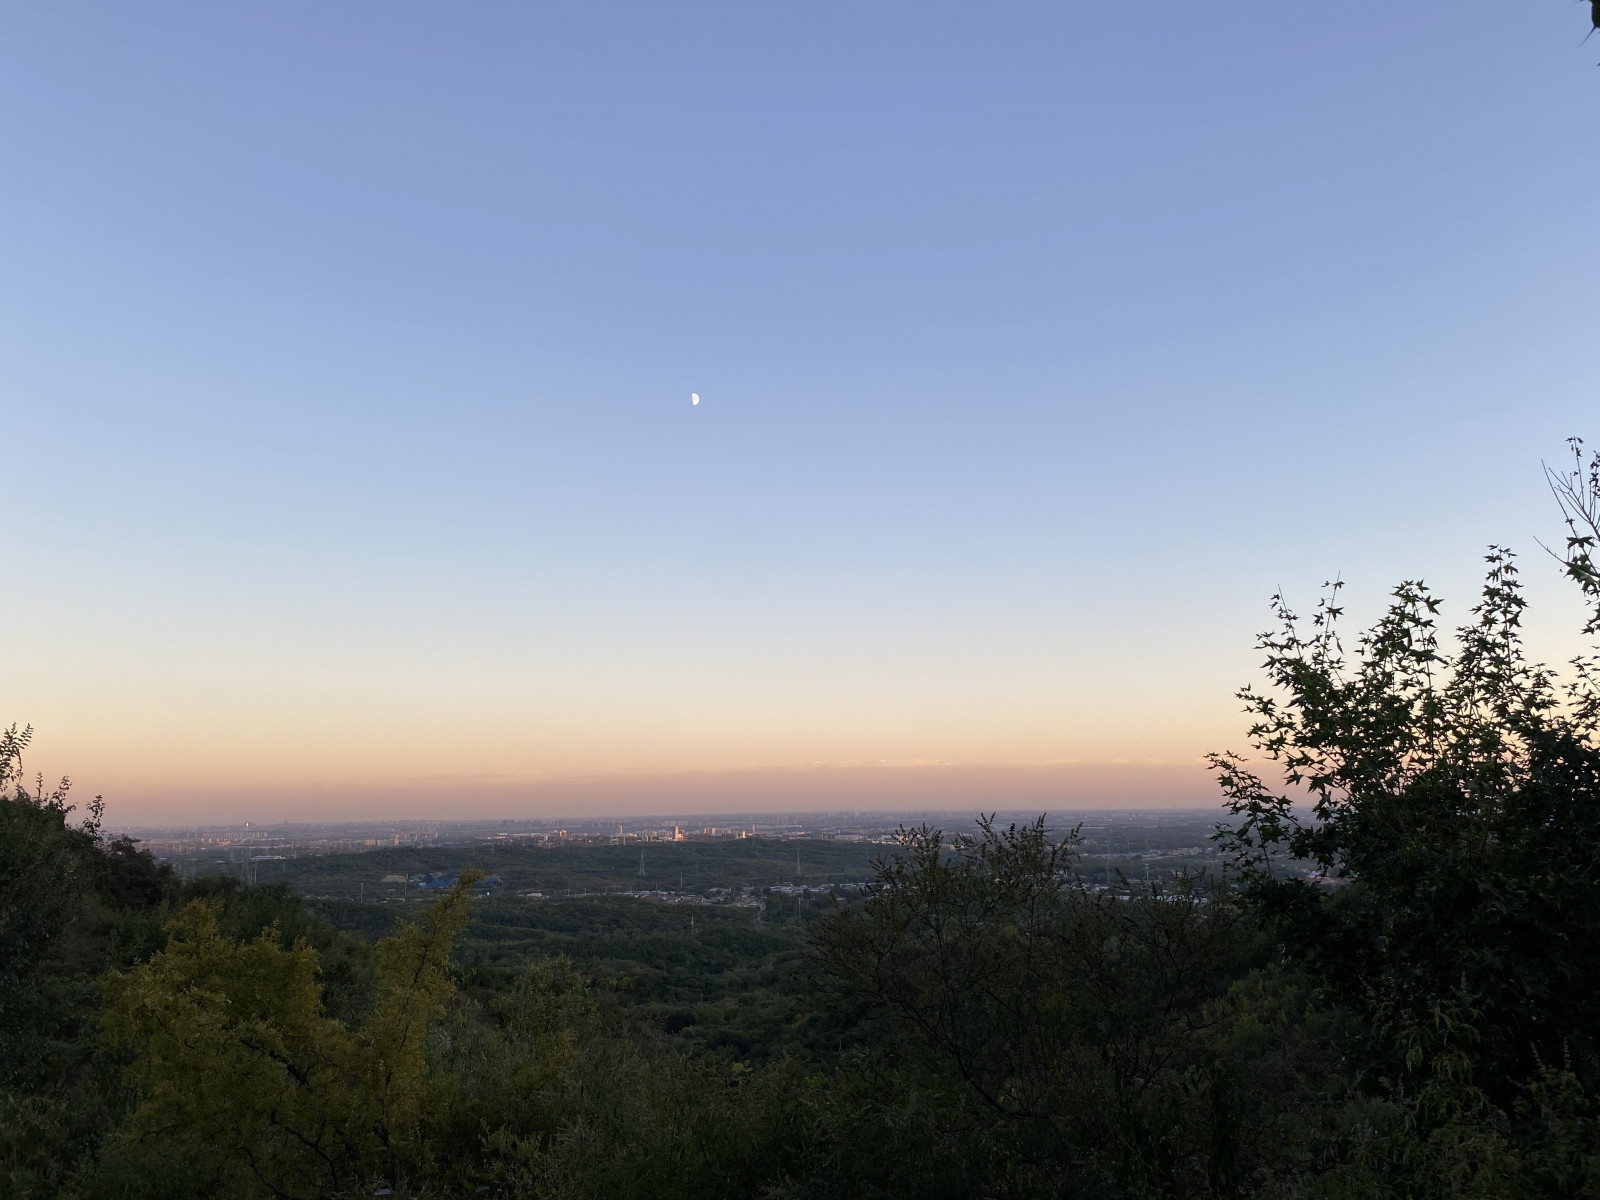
[
  {"x": 888, "y": 787},
  {"x": 173, "y": 763}
]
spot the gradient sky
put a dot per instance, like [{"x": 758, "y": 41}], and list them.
[{"x": 346, "y": 351}]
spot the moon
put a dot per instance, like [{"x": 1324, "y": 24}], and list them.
[{"x": 694, "y": 397}]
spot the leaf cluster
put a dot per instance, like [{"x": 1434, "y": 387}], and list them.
[
  {"x": 1075, "y": 1018},
  {"x": 235, "y": 1064},
  {"x": 1456, "y": 785}
]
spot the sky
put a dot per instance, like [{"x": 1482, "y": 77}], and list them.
[{"x": 346, "y": 354}]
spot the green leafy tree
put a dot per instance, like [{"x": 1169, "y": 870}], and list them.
[
  {"x": 1459, "y": 787},
  {"x": 47, "y": 875},
  {"x": 236, "y": 1066},
  {"x": 1063, "y": 1025},
  {"x": 72, "y": 904},
  {"x": 1454, "y": 785}
]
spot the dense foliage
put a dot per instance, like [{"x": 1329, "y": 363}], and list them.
[{"x": 1416, "y": 1019}]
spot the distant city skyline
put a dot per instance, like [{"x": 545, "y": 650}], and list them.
[{"x": 346, "y": 356}]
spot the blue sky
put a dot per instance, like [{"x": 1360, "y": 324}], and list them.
[{"x": 345, "y": 360}]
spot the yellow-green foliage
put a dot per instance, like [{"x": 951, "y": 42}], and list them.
[{"x": 235, "y": 1065}]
